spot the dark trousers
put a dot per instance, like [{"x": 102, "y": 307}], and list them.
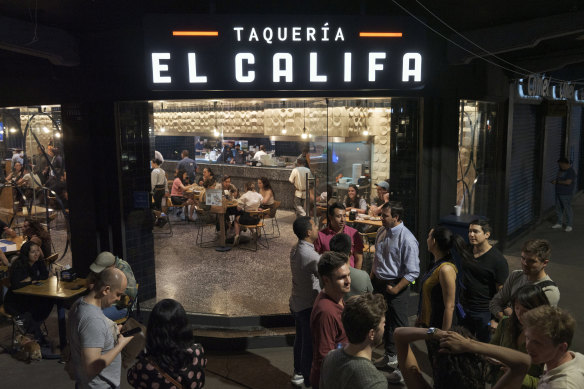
[
  {"x": 303, "y": 344},
  {"x": 478, "y": 324},
  {"x": 397, "y": 310}
]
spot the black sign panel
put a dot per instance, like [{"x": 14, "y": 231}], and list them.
[{"x": 229, "y": 52}]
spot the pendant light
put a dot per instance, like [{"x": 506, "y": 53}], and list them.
[{"x": 304, "y": 134}]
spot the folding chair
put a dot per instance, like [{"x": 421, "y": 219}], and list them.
[{"x": 257, "y": 230}]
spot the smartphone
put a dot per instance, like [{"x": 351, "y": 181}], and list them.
[{"x": 131, "y": 332}]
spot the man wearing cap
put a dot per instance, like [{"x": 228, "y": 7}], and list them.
[
  {"x": 565, "y": 183},
  {"x": 382, "y": 198},
  {"x": 106, "y": 260}
]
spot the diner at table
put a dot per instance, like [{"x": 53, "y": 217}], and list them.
[
  {"x": 177, "y": 194},
  {"x": 33, "y": 230},
  {"x": 29, "y": 269},
  {"x": 265, "y": 189},
  {"x": 353, "y": 201},
  {"x": 249, "y": 201}
]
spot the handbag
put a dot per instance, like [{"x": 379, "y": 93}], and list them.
[
  {"x": 165, "y": 375},
  {"x": 136, "y": 345}
]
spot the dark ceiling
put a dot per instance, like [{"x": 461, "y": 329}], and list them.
[{"x": 536, "y": 35}]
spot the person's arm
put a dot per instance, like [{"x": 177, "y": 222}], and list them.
[
  {"x": 94, "y": 361},
  {"x": 292, "y": 178},
  {"x": 19, "y": 276},
  {"x": 407, "y": 361},
  {"x": 357, "y": 249},
  {"x": 516, "y": 361},
  {"x": 499, "y": 303},
  {"x": 362, "y": 206},
  {"x": 358, "y": 257},
  {"x": 447, "y": 277},
  {"x": 411, "y": 261},
  {"x": 9, "y": 232},
  {"x": 398, "y": 287},
  {"x": 3, "y": 259},
  {"x": 269, "y": 196}
]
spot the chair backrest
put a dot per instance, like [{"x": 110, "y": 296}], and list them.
[{"x": 273, "y": 209}]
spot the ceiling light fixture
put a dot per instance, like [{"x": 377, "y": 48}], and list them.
[{"x": 304, "y": 135}]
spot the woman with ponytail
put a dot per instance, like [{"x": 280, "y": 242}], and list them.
[{"x": 438, "y": 291}]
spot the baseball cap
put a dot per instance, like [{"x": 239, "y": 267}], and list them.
[
  {"x": 103, "y": 260},
  {"x": 383, "y": 184}
]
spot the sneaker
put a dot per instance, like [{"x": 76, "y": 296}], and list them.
[
  {"x": 568, "y": 229},
  {"x": 395, "y": 377},
  {"x": 297, "y": 379},
  {"x": 557, "y": 226},
  {"x": 388, "y": 360}
]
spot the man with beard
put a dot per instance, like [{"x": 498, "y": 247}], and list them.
[{"x": 350, "y": 366}]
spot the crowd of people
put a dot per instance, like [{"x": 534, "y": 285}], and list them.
[{"x": 481, "y": 324}]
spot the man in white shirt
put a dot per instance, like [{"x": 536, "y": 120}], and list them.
[
  {"x": 298, "y": 179},
  {"x": 257, "y": 156},
  {"x": 548, "y": 335}
]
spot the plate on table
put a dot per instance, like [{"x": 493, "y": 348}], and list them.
[
  {"x": 375, "y": 218},
  {"x": 365, "y": 217}
]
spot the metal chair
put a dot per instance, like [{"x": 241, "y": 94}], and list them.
[
  {"x": 257, "y": 230},
  {"x": 204, "y": 219},
  {"x": 272, "y": 215}
]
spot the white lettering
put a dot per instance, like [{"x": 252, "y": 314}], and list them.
[
  {"x": 310, "y": 31},
  {"x": 193, "y": 78},
  {"x": 296, "y": 34},
  {"x": 325, "y": 29},
  {"x": 282, "y": 33},
  {"x": 157, "y": 68},
  {"x": 268, "y": 35},
  {"x": 286, "y": 72},
  {"x": 238, "y": 32},
  {"x": 348, "y": 67},
  {"x": 416, "y": 71},
  {"x": 314, "y": 77},
  {"x": 239, "y": 58},
  {"x": 373, "y": 65},
  {"x": 253, "y": 35},
  {"x": 339, "y": 35}
]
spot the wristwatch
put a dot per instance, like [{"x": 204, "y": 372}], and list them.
[{"x": 431, "y": 331}]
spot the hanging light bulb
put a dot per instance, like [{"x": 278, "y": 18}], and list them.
[
  {"x": 13, "y": 130},
  {"x": 57, "y": 134},
  {"x": 45, "y": 130},
  {"x": 365, "y": 133},
  {"x": 304, "y": 135},
  {"x": 284, "y": 131},
  {"x": 162, "y": 129}
]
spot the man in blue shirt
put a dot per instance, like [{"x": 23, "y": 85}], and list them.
[
  {"x": 396, "y": 265},
  {"x": 565, "y": 183},
  {"x": 188, "y": 165}
]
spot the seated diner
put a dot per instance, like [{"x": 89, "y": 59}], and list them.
[
  {"x": 249, "y": 201},
  {"x": 177, "y": 193}
]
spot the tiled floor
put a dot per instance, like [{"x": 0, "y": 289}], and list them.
[{"x": 233, "y": 283}]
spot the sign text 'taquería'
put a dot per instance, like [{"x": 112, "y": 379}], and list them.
[{"x": 283, "y": 53}]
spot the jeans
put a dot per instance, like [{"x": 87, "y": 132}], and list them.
[
  {"x": 113, "y": 313},
  {"x": 303, "y": 344},
  {"x": 397, "y": 311},
  {"x": 478, "y": 324},
  {"x": 564, "y": 204}
]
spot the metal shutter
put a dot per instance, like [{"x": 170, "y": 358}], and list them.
[
  {"x": 522, "y": 168},
  {"x": 554, "y": 128},
  {"x": 575, "y": 133}
]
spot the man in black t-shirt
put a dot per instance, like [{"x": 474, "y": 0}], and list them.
[{"x": 481, "y": 279}]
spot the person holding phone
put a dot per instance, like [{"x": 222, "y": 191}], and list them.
[{"x": 170, "y": 359}]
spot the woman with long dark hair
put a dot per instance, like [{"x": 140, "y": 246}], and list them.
[
  {"x": 438, "y": 297},
  {"x": 353, "y": 201},
  {"x": 265, "y": 189},
  {"x": 510, "y": 333},
  {"x": 170, "y": 359},
  {"x": 29, "y": 268}
]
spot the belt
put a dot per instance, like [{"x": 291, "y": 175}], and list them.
[{"x": 159, "y": 186}]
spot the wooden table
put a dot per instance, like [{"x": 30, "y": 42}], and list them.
[
  {"x": 19, "y": 240},
  {"x": 220, "y": 211},
  {"x": 60, "y": 292},
  {"x": 375, "y": 223}
]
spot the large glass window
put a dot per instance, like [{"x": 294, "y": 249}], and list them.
[{"x": 476, "y": 157}]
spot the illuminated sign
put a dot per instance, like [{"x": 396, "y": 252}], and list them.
[
  {"x": 540, "y": 87},
  {"x": 213, "y": 53}
]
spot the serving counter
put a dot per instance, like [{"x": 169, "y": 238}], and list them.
[{"x": 240, "y": 174}]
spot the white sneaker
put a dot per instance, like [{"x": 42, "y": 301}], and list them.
[
  {"x": 388, "y": 360},
  {"x": 568, "y": 229},
  {"x": 297, "y": 379},
  {"x": 395, "y": 377},
  {"x": 557, "y": 226}
]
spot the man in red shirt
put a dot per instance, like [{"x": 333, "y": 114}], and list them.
[
  {"x": 326, "y": 326},
  {"x": 336, "y": 218}
]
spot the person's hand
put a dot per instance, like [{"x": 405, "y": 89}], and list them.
[
  {"x": 124, "y": 340},
  {"x": 392, "y": 289},
  {"x": 493, "y": 324},
  {"x": 453, "y": 342},
  {"x": 507, "y": 311}
]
